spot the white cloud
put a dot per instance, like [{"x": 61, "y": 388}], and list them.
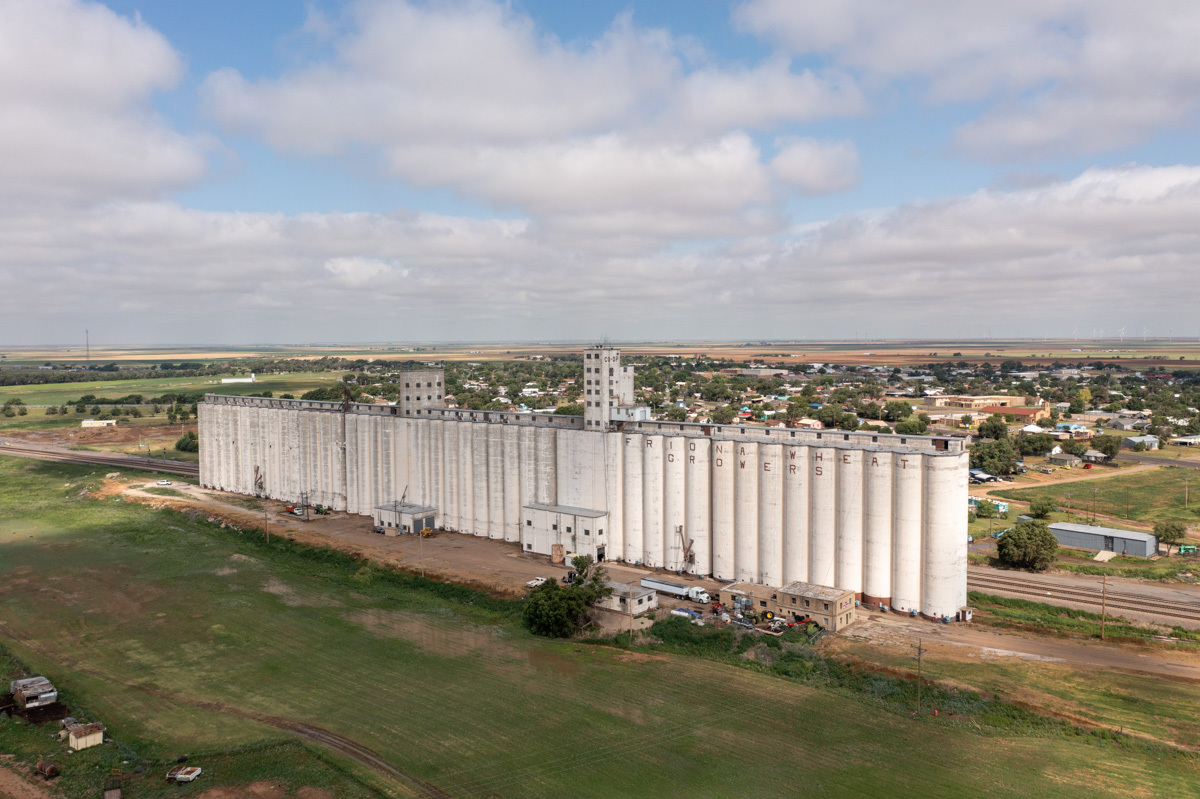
[
  {"x": 815, "y": 167},
  {"x": 1098, "y": 239},
  {"x": 75, "y": 83},
  {"x": 1061, "y": 76},
  {"x": 356, "y": 271},
  {"x": 475, "y": 98}
]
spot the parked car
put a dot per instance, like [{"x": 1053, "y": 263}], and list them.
[
  {"x": 164, "y": 482},
  {"x": 535, "y": 582},
  {"x": 1087, "y": 465}
]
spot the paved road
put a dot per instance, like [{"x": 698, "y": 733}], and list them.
[{"x": 1150, "y": 459}]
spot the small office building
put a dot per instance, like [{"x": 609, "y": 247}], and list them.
[{"x": 402, "y": 518}]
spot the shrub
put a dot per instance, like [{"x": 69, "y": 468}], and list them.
[{"x": 188, "y": 442}]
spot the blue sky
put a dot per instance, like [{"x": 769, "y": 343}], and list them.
[{"x": 223, "y": 172}]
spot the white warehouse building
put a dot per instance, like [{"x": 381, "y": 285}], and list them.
[{"x": 881, "y": 515}]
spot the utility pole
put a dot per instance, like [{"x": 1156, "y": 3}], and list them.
[
  {"x": 267, "y": 523},
  {"x": 918, "y": 657},
  {"x": 1185, "y": 492},
  {"x": 1094, "y": 490},
  {"x": 1103, "y": 605}
]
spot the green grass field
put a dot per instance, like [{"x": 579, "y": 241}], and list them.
[
  {"x": 1152, "y": 495},
  {"x": 177, "y": 634},
  {"x": 62, "y": 393}
]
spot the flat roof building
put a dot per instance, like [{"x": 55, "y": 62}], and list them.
[
  {"x": 1105, "y": 539},
  {"x": 832, "y": 608}
]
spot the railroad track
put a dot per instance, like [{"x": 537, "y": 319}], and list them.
[
  {"x": 1116, "y": 600},
  {"x": 103, "y": 459}
]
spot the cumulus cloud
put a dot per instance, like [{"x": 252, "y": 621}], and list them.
[
  {"x": 356, "y": 271},
  {"x": 1061, "y": 76},
  {"x": 75, "y": 84},
  {"x": 475, "y": 98},
  {"x": 815, "y": 167},
  {"x": 1103, "y": 236}
]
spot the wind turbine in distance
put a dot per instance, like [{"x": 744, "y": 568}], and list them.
[
  {"x": 1121, "y": 333},
  {"x": 1144, "y": 332},
  {"x": 1075, "y": 333}
]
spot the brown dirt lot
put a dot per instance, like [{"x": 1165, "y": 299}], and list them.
[{"x": 14, "y": 785}]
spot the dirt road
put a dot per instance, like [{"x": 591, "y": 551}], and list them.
[{"x": 887, "y": 629}]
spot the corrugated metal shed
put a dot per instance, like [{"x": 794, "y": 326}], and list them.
[{"x": 1086, "y": 536}]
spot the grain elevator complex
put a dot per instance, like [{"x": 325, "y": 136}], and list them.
[{"x": 880, "y": 515}]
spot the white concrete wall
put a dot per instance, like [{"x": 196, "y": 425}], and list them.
[
  {"x": 886, "y": 523},
  {"x": 632, "y": 501},
  {"x": 796, "y": 483},
  {"x": 770, "y": 514},
  {"x": 652, "y": 502},
  {"x": 723, "y": 467},
  {"x": 908, "y": 502},
  {"x": 674, "y": 501}
]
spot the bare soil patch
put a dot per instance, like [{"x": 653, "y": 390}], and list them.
[
  {"x": 430, "y": 637},
  {"x": 14, "y": 785},
  {"x": 263, "y": 789}
]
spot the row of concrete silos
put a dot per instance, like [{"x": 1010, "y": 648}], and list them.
[{"x": 887, "y": 524}]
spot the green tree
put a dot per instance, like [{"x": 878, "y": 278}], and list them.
[
  {"x": 569, "y": 410},
  {"x": 560, "y": 611},
  {"x": 912, "y": 426},
  {"x": 1035, "y": 444},
  {"x": 676, "y": 414},
  {"x": 895, "y": 410},
  {"x": 985, "y": 509},
  {"x": 995, "y": 457},
  {"x": 1170, "y": 533},
  {"x": 188, "y": 442},
  {"x": 1029, "y": 545},
  {"x": 1041, "y": 507},
  {"x": 993, "y": 427},
  {"x": 723, "y": 415}
]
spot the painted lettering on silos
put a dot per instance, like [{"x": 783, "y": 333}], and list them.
[
  {"x": 944, "y": 552},
  {"x": 614, "y": 489},
  {"x": 698, "y": 504},
  {"x": 479, "y": 468},
  {"x": 795, "y": 514},
  {"x": 745, "y": 510},
  {"x": 512, "y": 484},
  {"x": 877, "y": 528},
  {"x": 908, "y": 503},
  {"x": 452, "y": 485},
  {"x": 770, "y": 514},
  {"x": 634, "y": 540},
  {"x": 652, "y": 501},
  {"x": 723, "y": 467},
  {"x": 823, "y": 522},
  {"x": 495, "y": 481},
  {"x": 674, "y": 501},
  {"x": 850, "y": 520}
]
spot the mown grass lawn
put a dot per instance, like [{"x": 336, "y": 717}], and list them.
[
  {"x": 1147, "y": 496},
  {"x": 65, "y": 393},
  {"x": 176, "y": 632}
]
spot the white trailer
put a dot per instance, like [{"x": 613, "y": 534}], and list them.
[{"x": 692, "y": 592}]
